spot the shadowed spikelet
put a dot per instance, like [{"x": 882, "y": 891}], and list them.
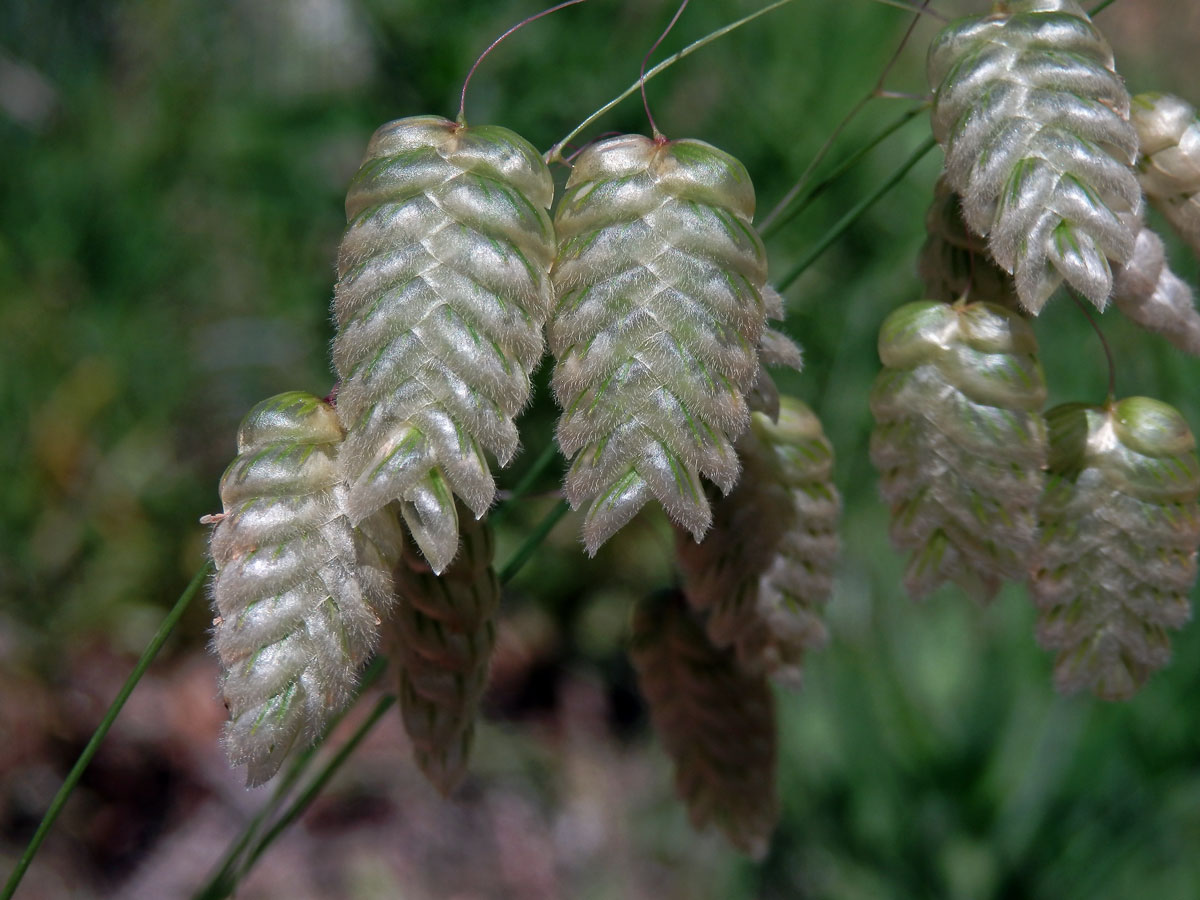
[
  {"x": 765, "y": 569},
  {"x": 442, "y": 635},
  {"x": 716, "y": 721},
  {"x": 1168, "y": 132},
  {"x": 959, "y": 442},
  {"x": 1120, "y": 528},
  {"x": 1034, "y": 122},
  {"x": 1148, "y": 292},
  {"x": 955, "y": 263},
  {"x": 298, "y": 591},
  {"x": 659, "y": 278},
  {"x": 443, "y": 288}
]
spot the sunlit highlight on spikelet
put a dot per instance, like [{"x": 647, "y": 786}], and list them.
[
  {"x": 443, "y": 288},
  {"x": 1034, "y": 122},
  {"x": 660, "y": 281},
  {"x": 298, "y": 591}
]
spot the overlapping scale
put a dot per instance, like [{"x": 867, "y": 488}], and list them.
[
  {"x": 959, "y": 442},
  {"x": 298, "y": 591},
  {"x": 443, "y": 289},
  {"x": 765, "y": 570},
  {"x": 1120, "y": 527},
  {"x": 1035, "y": 124},
  {"x": 442, "y": 635},
  {"x": 660, "y": 281},
  {"x": 715, "y": 719},
  {"x": 1168, "y": 130}
]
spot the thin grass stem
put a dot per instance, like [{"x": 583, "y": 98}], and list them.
[
  {"x": 93, "y": 745},
  {"x": 221, "y": 884},
  {"x": 306, "y": 797},
  {"x": 554, "y": 154},
  {"x": 858, "y": 107},
  {"x": 844, "y": 223},
  {"x": 802, "y": 202},
  {"x": 525, "y": 552}
]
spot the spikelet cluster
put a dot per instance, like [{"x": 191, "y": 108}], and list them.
[
  {"x": 765, "y": 570},
  {"x": 1120, "y": 527},
  {"x": 1168, "y": 130},
  {"x": 442, "y": 635},
  {"x": 959, "y": 442},
  {"x": 1150, "y": 294},
  {"x": 715, "y": 719},
  {"x": 1035, "y": 125},
  {"x": 298, "y": 591},
  {"x": 659, "y": 278},
  {"x": 954, "y": 263},
  {"x": 443, "y": 289}
]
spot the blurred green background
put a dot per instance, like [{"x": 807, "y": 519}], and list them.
[{"x": 171, "y": 183}]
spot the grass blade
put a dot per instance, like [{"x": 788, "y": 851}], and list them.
[
  {"x": 853, "y": 216},
  {"x": 93, "y": 745}
]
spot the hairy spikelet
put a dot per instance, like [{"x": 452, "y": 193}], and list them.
[
  {"x": 765, "y": 569},
  {"x": 1034, "y": 122},
  {"x": 442, "y": 635},
  {"x": 659, "y": 278},
  {"x": 298, "y": 591},
  {"x": 954, "y": 262},
  {"x": 1120, "y": 529},
  {"x": 959, "y": 442},
  {"x": 1168, "y": 132},
  {"x": 443, "y": 288},
  {"x": 1148, "y": 292},
  {"x": 715, "y": 719}
]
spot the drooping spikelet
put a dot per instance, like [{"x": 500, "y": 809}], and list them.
[
  {"x": 715, "y": 719},
  {"x": 954, "y": 262},
  {"x": 1035, "y": 125},
  {"x": 442, "y": 293},
  {"x": 959, "y": 442},
  {"x": 298, "y": 591},
  {"x": 1148, "y": 292},
  {"x": 1120, "y": 529},
  {"x": 442, "y": 635},
  {"x": 1168, "y": 130},
  {"x": 659, "y": 278},
  {"x": 766, "y": 568}
]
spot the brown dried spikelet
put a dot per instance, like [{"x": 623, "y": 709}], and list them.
[
  {"x": 955, "y": 263},
  {"x": 765, "y": 570},
  {"x": 442, "y": 635},
  {"x": 715, "y": 719}
]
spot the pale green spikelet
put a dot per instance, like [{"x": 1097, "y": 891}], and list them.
[
  {"x": 1120, "y": 527},
  {"x": 1168, "y": 130},
  {"x": 715, "y": 720},
  {"x": 765, "y": 569},
  {"x": 298, "y": 591},
  {"x": 1035, "y": 124},
  {"x": 959, "y": 442},
  {"x": 955, "y": 263},
  {"x": 443, "y": 288},
  {"x": 442, "y": 635},
  {"x": 1150, "y": 294},
  {"x": 660, "y": 281}
]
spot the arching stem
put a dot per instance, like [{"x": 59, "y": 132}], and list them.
[
  {"x": 658, "y": 135},
  {"x": 462, "y": 100}
]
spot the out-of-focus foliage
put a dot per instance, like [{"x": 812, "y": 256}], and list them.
[{"x": 172, "y": 179}]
